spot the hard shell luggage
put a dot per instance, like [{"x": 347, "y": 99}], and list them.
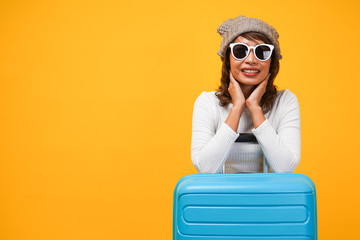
[{"x": 255, "y": 206}]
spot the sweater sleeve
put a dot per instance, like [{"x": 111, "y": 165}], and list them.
[
  {"x": 282, "y": 147},
  {"x": 210, "y": 146}
]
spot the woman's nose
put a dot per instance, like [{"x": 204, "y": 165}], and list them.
[{"x": 251, "y": 57}]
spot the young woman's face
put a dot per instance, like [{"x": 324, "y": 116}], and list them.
[{"x": 249, "y": 71}]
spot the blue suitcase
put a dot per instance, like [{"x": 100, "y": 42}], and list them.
[{"x": 256, "y": 206}]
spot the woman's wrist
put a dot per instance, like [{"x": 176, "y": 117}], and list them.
[
  {"x": 253, "y": 108},
  {"x": 238, "y": 106},
  {"x": 257, "y": 115},
  {"x": 234, "y": 116}
]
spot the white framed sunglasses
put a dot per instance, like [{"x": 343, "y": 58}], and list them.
[{"x": 262, "y": 51}]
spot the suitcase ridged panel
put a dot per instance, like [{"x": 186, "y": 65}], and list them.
[
  {"x": 245, "y": 206},
  {"x": 245, "y": 214}
]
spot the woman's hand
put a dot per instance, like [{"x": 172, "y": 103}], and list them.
[
  {"x": 236, "y": 94},
  {"x": 253, "y": 101},
  {"x": 238, "y": 100}
]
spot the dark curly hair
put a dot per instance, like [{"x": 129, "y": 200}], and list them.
[{"x": 267, "y": 100}]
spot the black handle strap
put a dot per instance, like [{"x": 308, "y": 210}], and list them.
[{"x": 246, "y": 137}]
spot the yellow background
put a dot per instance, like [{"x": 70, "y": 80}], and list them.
[{"x": 96, "y": 103}]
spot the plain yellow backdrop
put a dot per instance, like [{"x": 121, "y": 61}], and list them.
[{"x": 96, "y": 103}]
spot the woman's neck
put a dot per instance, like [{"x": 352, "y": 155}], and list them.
[{"x": 247, "y": 90}]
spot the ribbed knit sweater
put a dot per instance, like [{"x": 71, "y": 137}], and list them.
[{"x": 213, "y": 146}]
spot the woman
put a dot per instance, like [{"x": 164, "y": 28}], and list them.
[{"x": 246, "y": 119}]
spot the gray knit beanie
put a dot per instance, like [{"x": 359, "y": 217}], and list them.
[{"x": 232, "y": 28}]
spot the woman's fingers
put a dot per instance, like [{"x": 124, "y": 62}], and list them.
[
  {"x": 235, "y": 91},
  {"x": 256, "y": 95},
  {"x": 264, "y": 83},
  {"x": 232, "y": 79},
  {"x": 261, "y": 88}
]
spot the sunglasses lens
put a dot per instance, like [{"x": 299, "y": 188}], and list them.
[
  {"x": 263, "y": 52},
  {"x": 240, "y": 51}
]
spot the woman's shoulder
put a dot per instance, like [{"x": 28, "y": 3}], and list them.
[
  {"x": 208, "y": 98},
  {"x": 209, "y": 95},
  {"x": 285, "y": 98},
  {"x": 286, "y": 95}
]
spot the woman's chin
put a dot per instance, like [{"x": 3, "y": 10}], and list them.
[{"x": 249, "y": 82}]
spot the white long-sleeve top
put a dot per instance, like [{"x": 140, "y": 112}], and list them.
[{"x": 213, "y": 146}]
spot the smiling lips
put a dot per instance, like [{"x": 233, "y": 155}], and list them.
[{"x": 250, "y": 71}]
